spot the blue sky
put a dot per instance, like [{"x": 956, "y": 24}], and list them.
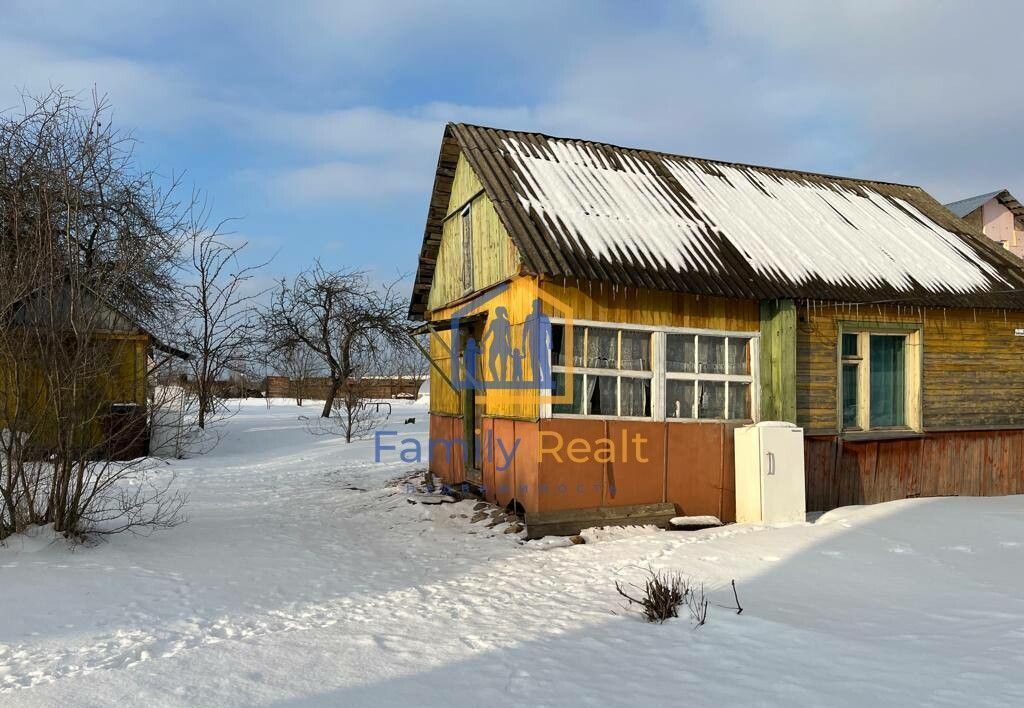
[{"x": 317, "y": 123}]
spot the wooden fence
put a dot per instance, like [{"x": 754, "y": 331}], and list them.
[{"x": 317, "y": 388}]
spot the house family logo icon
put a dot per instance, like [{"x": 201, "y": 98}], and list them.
[{"x": 506, "y": 339}]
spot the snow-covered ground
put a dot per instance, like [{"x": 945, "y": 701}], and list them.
[{"x": 301, "y": 578}]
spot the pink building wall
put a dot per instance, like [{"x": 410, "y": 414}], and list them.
[{"x": 998, "y": 224}]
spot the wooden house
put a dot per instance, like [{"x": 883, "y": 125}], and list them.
[
  {"x": 684, "y": 297},
  {"x": 111, "y": 379},
  {"x": 998, "y": 215}
]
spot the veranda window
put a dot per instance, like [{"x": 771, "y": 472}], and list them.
[
  {"x": 646, "y": 373},
  {"x": 612, "y": 372},
  {"x": 708, "y": 376}
]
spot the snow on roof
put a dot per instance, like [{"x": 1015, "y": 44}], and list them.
[
  {"x": 594, "y": 211},
  {"x": 780, "y": 226}
]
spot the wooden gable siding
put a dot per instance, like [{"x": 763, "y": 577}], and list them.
[
  {"x": 973, "y": 365},
  {"x": 495, "y": 257}
]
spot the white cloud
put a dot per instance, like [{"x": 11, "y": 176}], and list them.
[
  {"x": 334, "y": 109},
  {"x": 140, "y": 94}
]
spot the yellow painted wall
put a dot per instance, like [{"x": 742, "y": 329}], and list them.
[
  {"x": 580, "y": 300},
  {"x": 517, "y": 298},
  {"x": 495, "y": 257},
  {"x": 607, "y": 303},
  {"x": 123, "y": 380},
  {"x": 973, "y": 366}
]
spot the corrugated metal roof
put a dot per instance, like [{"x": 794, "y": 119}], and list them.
[
  {"x": 965, "y": 206},
  {"x": 590, "y": 210}
]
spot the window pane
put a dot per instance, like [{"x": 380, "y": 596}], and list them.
[
  {"x": 636, "y": 350},
  {"x": 602, "y": 348},
  {"x": 850, "y": 395},
  {"x": 711, "y": 355},
  {"x": 849, "y": 344},
  {"x": 680, "y": 353},
  {"x": 601, "y": 395},
  {"x": 712, "y": 399},
  {"x": 888, "y": 372},
  {"x": 636, "y": 397},
  {"x": 577, "y": 393},
  {"x": 739, "y": 401},
  {"x": 558, "y": 345},
  {"x": 679, "y": 398},
  {"x": 739, "y": 359},
  {"x": 467, "y": 249}
]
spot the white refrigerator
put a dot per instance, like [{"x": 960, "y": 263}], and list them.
[{"x": 770, "y": 473}]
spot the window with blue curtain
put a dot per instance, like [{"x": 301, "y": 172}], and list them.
[{"x": 888, "y": 381}]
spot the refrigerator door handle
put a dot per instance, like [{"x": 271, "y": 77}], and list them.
[{"x": 771, "y": 462}]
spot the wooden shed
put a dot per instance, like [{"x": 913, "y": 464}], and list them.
[
  {"x": 674, "y": 298},
  {"x": 110, "y": 374}
]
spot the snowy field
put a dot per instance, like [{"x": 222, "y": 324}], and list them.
[{"x": 301, "y": 578}]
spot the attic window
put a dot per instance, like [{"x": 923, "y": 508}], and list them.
[{"x": 467, "y": 248}]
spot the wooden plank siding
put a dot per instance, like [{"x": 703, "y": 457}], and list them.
[
  {"x": 517, "y": 298},
  {"x": 601, "y": 302},
  {"x": 495, "y": 257},
  {"x": 982, "y": 463},
  {"x": 972, "y": 373}
]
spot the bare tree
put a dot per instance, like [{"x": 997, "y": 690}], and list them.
[
  {"x": 88, "y": 248},
  {"x": 300, "y": 364},
  {"x": 342, "y": 318},
  {"x": 216, "y": 311},
  {"x": 407, "y": 364}
]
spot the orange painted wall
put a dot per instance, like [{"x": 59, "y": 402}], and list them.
[{"x": 688, "y": 464}]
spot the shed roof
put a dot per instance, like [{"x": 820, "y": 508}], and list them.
[
  {"x": 582, "y": 209},
  {"x": 52, "y": 306}
]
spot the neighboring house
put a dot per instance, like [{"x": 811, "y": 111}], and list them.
[
  {"x": 689, "y": 297},
  {"x": 998, "y": 215},
  {"x": 113, "y": 383}
]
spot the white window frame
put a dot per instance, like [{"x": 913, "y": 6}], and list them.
[
  {"x": 658, "y": 375},
  {"x": 727, "y": 378}
]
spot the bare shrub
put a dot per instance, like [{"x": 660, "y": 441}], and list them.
[{"x": 664, "y": 592}]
